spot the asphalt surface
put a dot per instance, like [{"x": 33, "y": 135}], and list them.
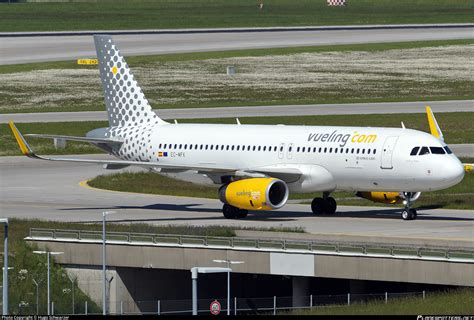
[
  {"x": 26, "y": 49},
  {"x": 46, "y": 190},
  {"x": 257, "y": 111}
]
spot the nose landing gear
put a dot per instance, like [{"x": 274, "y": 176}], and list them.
[
  {"x": 324, "y": 205},
  {"x": 408, "y": 213}
]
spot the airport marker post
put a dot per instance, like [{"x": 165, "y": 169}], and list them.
[
  {"x": 104, "y": 270},
  {"x": 5, "y": 268},
  {"x": 49, "y": 254},
  {"x": 229, "y": 262},
  {"x": 194, "y": 277}
]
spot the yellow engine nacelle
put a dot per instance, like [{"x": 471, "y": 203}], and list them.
[
  {"x": 255, "y": 194},
  {"x": 382, "y": 197}
]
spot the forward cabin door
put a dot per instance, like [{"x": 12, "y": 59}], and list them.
[
  {"x": 289, "y": 155},
  {"x": 281, "y": 150},
  {"x": 387, "y": 152}
]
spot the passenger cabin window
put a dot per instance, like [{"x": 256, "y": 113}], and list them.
[
  {"x": 437, "y": 150},
  {"x": 448, "y": 151},
  {"x": 424, "y": 150}
]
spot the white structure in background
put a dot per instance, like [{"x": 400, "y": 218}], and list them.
[{"x": 336, "y": 3}]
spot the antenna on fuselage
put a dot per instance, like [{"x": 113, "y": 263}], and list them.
[
  {"x": 403, "y": 125},
  {"x": 175, "y": 121},
  {"x": 237, "y": 120}
]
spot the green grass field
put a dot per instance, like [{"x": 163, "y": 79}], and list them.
[
  {"x": 457, "y": 128},
  {"x": 453, "y": 302},
  {"x": 411, "y": 71},
  {"x": 163, "y": 14}
]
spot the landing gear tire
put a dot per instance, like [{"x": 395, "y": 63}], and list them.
[
  {"x": 230, "y": 212},
  {"x": 331, "y": 205},
  {"x": 409, "y": 214},
  {"x": 318, "y": 206},
  {"x": 324, "y": 206},
  {"x": 242, "y": 213}
]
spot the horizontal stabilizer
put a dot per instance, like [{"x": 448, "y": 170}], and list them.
[{"x": 73, "y": 138}]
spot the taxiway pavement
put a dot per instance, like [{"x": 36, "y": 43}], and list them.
[
  {"x": 51, "y": 191},
  {"x": 27, "y": 49}
]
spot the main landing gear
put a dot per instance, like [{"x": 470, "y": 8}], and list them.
[
  {"x": 231, "y": 212},
  {"x": 408, "y": 213},
  {"x": 324, "y": 205}
]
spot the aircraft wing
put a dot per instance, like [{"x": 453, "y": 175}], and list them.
[
  {"x": 285, "y": 174},
  {"x": 73, "y": 138},
  {"x": 27, "y": 151}
]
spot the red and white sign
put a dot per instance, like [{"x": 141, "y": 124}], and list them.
[{"x": 215, "y": 307}]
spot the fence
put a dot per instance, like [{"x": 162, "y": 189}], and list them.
[
  {"x": 243, "y": 306},
  {"x": 305, "y": 246}
]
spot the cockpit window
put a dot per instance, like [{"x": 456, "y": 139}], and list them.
[
  {"x": 424, "y": 150},
  {"x": 448, "y": 151},
  {"x": 437, "y": 150},
  {"x": 414, "y": 151}
]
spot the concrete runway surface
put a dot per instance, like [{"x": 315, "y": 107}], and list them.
[
  {"x": 51, "y": 191},
  {"x": 14, "y": 50}
]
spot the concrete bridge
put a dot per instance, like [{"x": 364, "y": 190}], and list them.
[{"x": 148, "y": 267}]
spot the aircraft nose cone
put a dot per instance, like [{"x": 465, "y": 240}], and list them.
[{"x": 454, "y": 172}]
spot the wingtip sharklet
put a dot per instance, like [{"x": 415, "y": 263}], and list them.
[{"x": 24, "y": 147}]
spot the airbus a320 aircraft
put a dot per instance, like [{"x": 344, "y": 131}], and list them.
[{"x": 258, "y": 165}]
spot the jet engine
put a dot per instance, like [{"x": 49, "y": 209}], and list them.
[
  {"x": 255, "y": 193},
  {"x": 389, "y": 197}
]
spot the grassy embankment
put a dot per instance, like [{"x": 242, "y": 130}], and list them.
[
  {"x": 453, "y": 302},
  {"x": 142, "y": 14},
  {"x": 411, "y": 71}
]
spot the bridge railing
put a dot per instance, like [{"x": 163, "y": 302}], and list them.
[{"x": 328, "y": 247}]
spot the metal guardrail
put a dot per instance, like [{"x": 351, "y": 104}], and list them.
[{"x": 389, "y": 250}]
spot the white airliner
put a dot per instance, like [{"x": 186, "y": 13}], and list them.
[{"x": 258, "y": 165}]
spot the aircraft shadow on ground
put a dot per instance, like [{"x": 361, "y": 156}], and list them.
[{"x": 279, "y": 215}]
